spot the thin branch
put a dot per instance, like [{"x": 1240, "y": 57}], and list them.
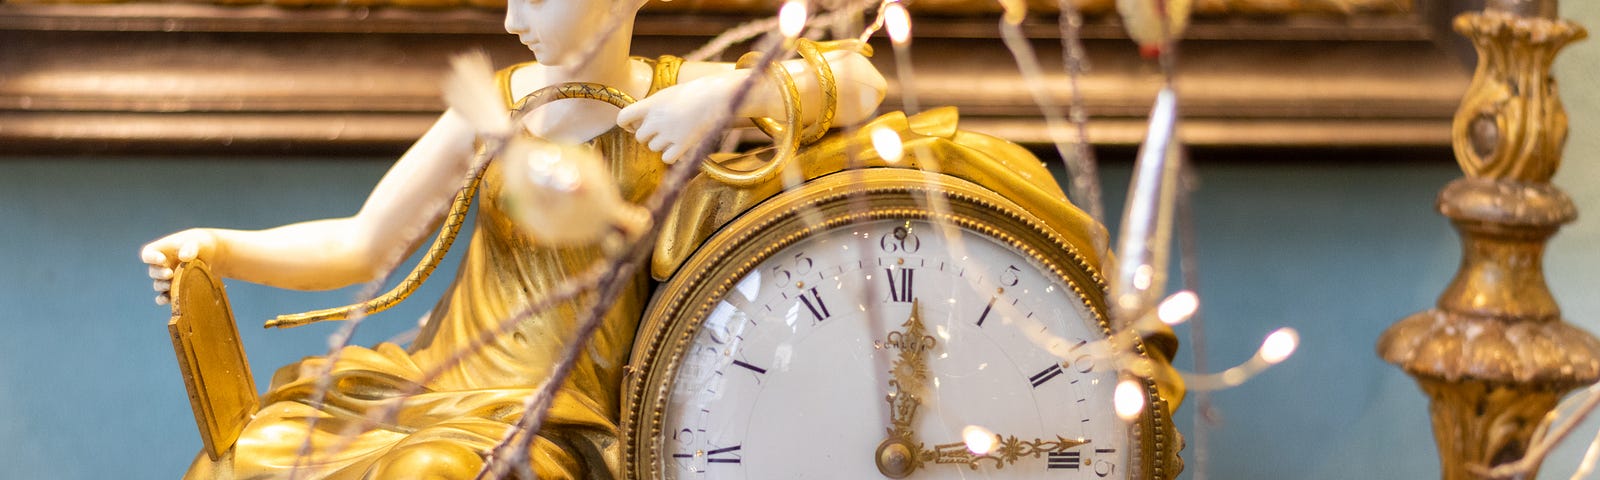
[
  {"x": 1537, "y": 453},
  {"x": 1083, "y": 168}
]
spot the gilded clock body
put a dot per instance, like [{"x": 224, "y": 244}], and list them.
[{"x": 891, "y": 320}]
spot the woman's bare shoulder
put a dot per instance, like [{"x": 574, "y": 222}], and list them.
[{"x": 523, "y": 78}]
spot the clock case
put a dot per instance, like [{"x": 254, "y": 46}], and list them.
[{"x": 719, "y": 233}]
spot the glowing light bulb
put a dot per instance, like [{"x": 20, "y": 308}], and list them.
[
  {"x": 979, "y": 440},
  {"x": 1143, "y": 275},
  {"x": 1128, "y": 399},
  {"x": 1279, "y": 345},
  {"x": 898, "y": 22},
  {"x": 792, "y": 18},
  {"x": 887, "y": 142},
  {"x": 1178, "y": 308}
]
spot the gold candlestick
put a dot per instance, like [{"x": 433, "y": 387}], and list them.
[{"x": 1494, "y": 355}]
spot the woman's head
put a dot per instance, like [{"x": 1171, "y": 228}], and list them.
[{"x": 557, "y": 29}]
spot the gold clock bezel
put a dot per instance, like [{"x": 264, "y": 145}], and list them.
[{"x": 683, "y": 302}]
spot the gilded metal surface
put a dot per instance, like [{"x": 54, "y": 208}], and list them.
[
  {"x": 1500, "y": 420},
  {"x": 785, "y": 144},
  {"x": 908, "y": 382},
  {"x": 812, "y": 52},
  {"x": 215, "y": 370},
  {"x": 908, "y": 377},
  {"x": 1511, "y": 125},
  {"x": 1007, "y": 450},
  {"x": 444, "y": 423},
  {"x": 1008, "y": 169},
  {"x": 1494, "y": 355},
  {"x": 760, "y": 230}
]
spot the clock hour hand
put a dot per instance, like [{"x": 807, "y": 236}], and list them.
[
  {"x": 1005, "y": 450},
  {"x": 897, "y": 455}
]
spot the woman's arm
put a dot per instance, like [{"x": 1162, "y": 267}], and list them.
[
  {"x": 333, "y": 253},
  {"x": 861, "y": 87},
  {"x": 672, "y": 119}
]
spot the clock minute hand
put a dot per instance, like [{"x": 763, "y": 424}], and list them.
[
  {"x": 1005, "y": 451},
  {"x": 896, "y": 456}
]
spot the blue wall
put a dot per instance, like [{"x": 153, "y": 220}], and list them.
[{"x": 1337, "y": 249}]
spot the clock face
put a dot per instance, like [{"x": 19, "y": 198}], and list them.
[{"x": 821, "y": 355}]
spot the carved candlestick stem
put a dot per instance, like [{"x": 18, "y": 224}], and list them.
[{"x": 1494, "y": 355}]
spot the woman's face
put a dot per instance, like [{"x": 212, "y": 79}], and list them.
[{"x": 556, "y": 30}]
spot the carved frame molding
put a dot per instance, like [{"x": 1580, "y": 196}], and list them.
[{"x": 196, "y": 78}]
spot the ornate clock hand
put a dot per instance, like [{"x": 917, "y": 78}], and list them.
[
  {"x": 897, "y": 455},
  {"x": 1006, "y": 451}
]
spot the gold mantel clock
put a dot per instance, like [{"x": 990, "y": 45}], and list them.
[{"x": 921, "y": 318}]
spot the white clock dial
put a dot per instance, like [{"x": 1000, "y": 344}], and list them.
[{"x": 788, "y": 374}]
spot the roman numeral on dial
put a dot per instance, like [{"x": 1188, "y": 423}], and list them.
[
  {"x": 899, "y": 291},
  {"x": 1044, "y": 376},
  {"x": 986, "y": 309},
  {"x": 813, "y": 302},
  {"x": 720, "y": 455},
  {"x": 752, "y": 368},
  {"x": 723, "y": 455},
  {"x": 1064, "y": 460}
]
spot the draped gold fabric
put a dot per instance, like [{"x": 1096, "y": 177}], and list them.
[{"x": 444, "y": 430}]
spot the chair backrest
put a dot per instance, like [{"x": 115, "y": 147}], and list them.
[{"x": 222, "y": 390}]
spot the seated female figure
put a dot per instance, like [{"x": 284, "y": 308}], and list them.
[{"x": 445, "y": 425}]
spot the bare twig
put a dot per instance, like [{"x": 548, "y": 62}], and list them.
[
  {"x": 1083, "y": 169},
  {"x": 1189, "y": 267},
  {"x": 1541, "y": 449}
]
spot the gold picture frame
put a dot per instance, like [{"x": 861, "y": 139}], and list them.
[{"x": 215, "y": 77}]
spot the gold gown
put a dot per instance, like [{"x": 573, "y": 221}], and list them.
[{"x": 444, "y": 431}]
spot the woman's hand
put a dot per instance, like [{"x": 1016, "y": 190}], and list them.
[
  {"x": 163, "y": 256},
  {"x": 676, "y": 118}
]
